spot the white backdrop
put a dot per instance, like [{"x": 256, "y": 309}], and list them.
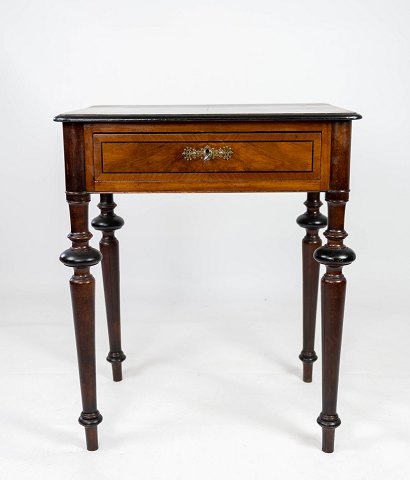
[{"x": 241, "y": 250}]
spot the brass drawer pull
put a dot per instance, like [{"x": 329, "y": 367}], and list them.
[{"x": 207, "y": 153}]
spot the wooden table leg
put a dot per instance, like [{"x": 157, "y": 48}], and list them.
[
  {"x": 108, "y": 222},
  {"x": 81, "y": 257},
  {"x": 335, "y": 255},
  {"x": 312, "y": 221}
]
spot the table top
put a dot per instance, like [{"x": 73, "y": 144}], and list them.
[{"x": 188, "y": 113}]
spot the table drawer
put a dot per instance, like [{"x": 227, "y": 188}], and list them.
[
  {"x": 207, "y": 153},
  {"x": 204, "y": 161}
]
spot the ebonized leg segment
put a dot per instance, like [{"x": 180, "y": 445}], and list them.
[
  {"x": 312, "y": 220},
  {"x": 334, "y": 255},
  {"x": 107, "y": 222},
  {"x": 82, "y": 285}
]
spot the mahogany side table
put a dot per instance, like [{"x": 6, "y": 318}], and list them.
[{"x": 208, "y": 148}]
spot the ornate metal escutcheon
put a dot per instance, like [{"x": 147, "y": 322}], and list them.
[{"x": 207, "y": 153}]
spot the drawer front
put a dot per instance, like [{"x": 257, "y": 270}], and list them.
[
  {"x": 205, "y": 161},
  {"x": 206, "y": 153}
]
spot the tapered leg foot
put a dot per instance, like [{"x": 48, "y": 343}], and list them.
[
  {"x": 328, "y": 440},
  {"x": 90, "y": 422},
  {"x": 107, "y": 222},
  {"x": 116, "y": 364},
  {"x": 307, "y": 372},
  {"x": 117, "y": 372},
  {"x": 312, "y": 220},
  {"x": 91, "y": 438},
  {"x": 329, "y": 423}
]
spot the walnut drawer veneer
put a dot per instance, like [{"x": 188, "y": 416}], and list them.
[{"x": 208, "y": 148}]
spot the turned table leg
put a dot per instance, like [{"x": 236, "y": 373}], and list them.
[
  {"x": 82, "y": 284},
  {"x": 108, "y": 222},
  {"x": 312, "y": 220},
  {"x": 334, "y": 255}
]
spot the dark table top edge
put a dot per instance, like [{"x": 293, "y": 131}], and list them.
[{"x": 153, "y": 118}]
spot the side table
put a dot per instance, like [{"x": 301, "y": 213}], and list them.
[{"x": 208, "y": 148}]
